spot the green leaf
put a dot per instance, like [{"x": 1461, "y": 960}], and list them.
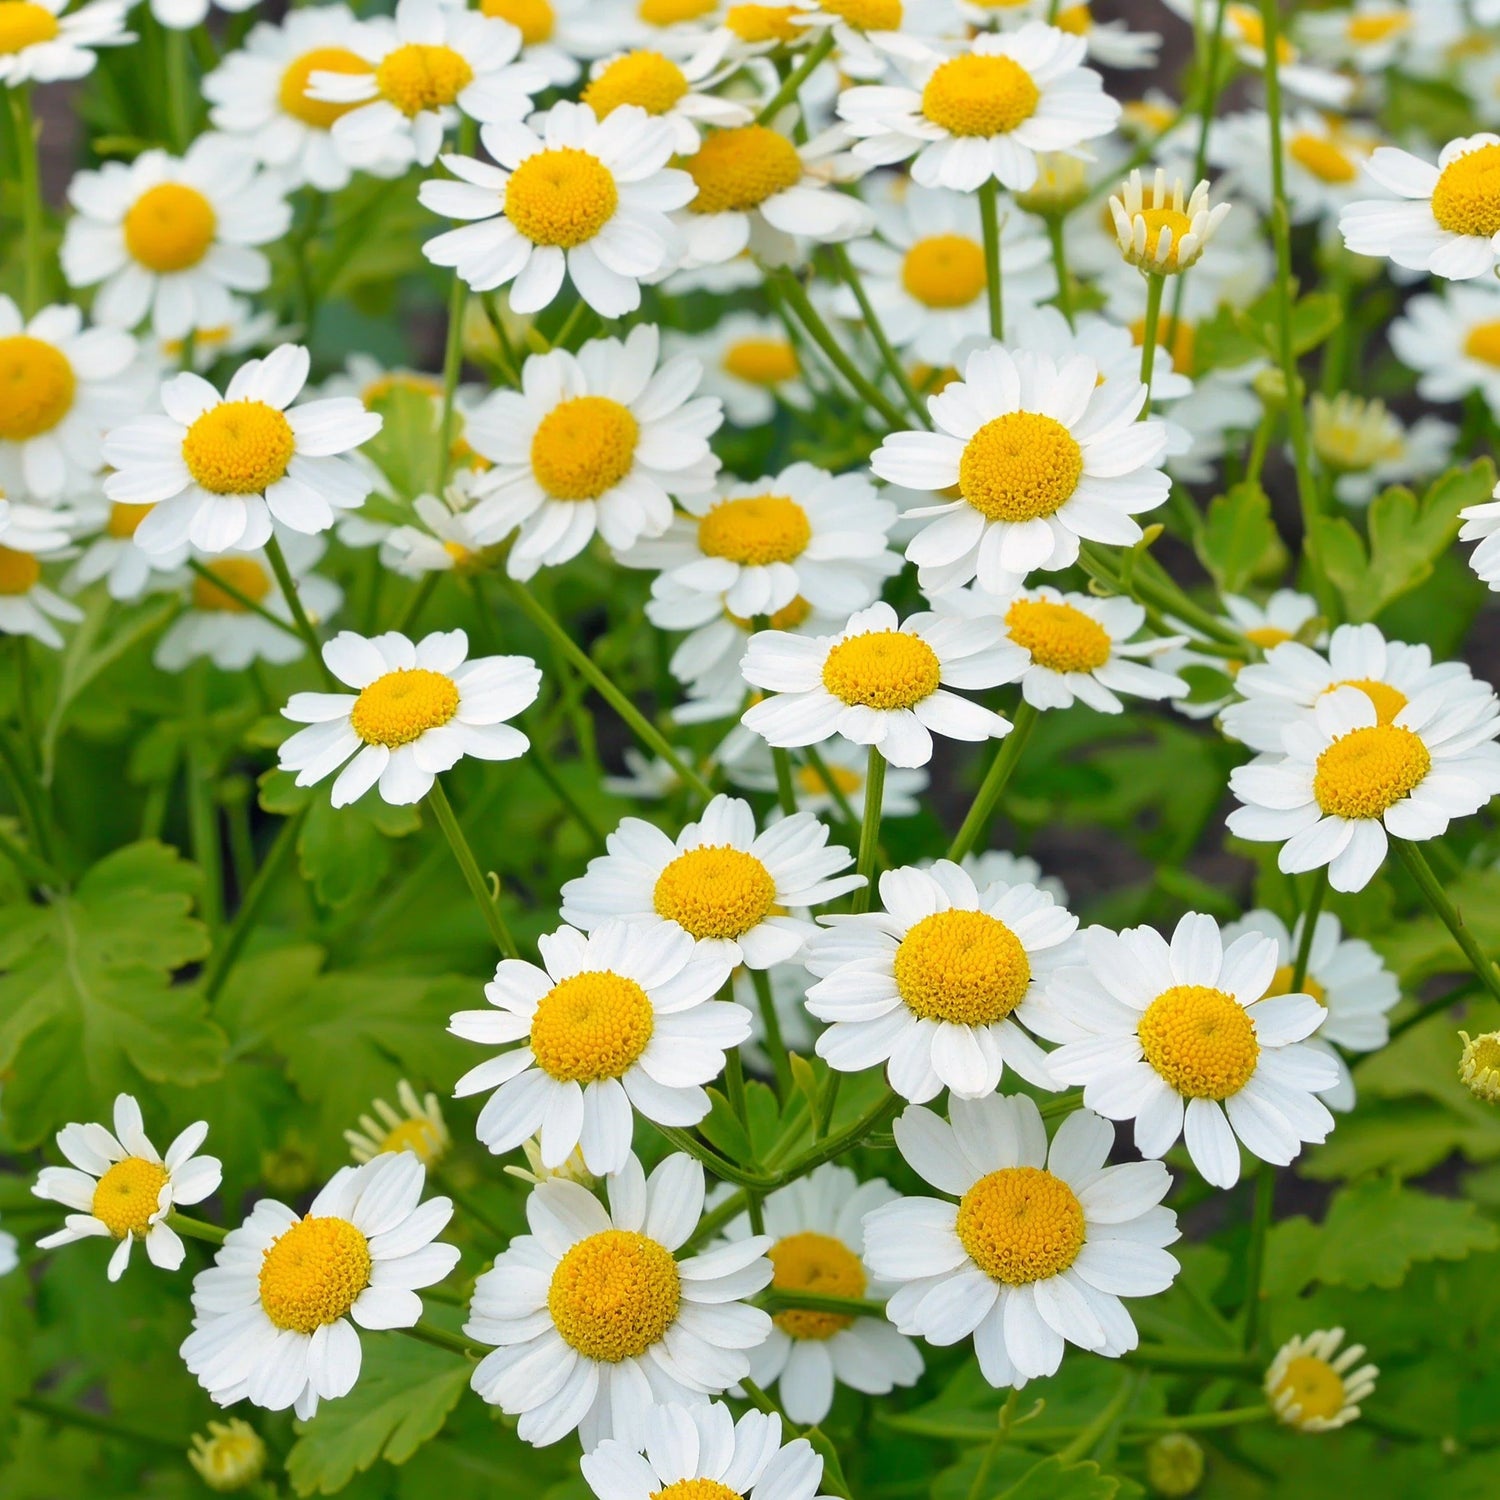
[
  {"x": 403, "y": 448},
  {"x": 403, "y": 1397},
  {"x": 88, "y": 1006},
  {"x": 1422, "y": 946},
  {"x": 1239, "y": 541},
  {"x": 1052, "y": 1479}
]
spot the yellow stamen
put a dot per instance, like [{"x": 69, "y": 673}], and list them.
[
  {"x": 944, "y": 270},
  {"x": 614, "y": 1295},
  {"x": 562, "y": 196},
  {"x": 292, "y": 95},
  {"x": 647, "y": 79},
  {"x": 1200, "y": 1040},
  {"x": 417, "y": 77},
  {"x": 583, "y": 447},
  {"x": 767, "y": 361},
  {"x": 19, "y": 572},
  {"x": 1466, "y": 199},
  {"x": 980, "y": 95},
  {"x": 1366, "y": 771},
  {"x": 534, "y": 19},
  {"x": 36, "y": 387},
  {"x": 401, "y": 706},
  {"x": 884, "y": 669},
  {"x": 965, "y": 967},
  {"x": 127, "y": 1196},
  {"x": 755, "y": 530},
  {"x": 1020, "y": 467},
  {"x": 239, "y": 448},
  {"x": 170, "y": 227},
  {"x": 715, "y": 891},
  {"x": 243, "y": 574},
  {"x": 592, "y": 1026},
  {"x": 313, "y": 1273},
  {"x": 24, "y": 24},
  {"x": 737, "y": 170},
  {"x": 1058, "y": 636},
  {"x": 1021, "y": 1225}
]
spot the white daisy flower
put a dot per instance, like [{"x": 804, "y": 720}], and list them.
[
  {"x": 44, "y": 42},
  {"x": 677, "y": 92},
  {"x": 588, "y": 198},
  {"x": 1444, "y": 219},
  {"x": 702, "y": 1453},
  {"x": 418, "y": 709},
  {"x": 1323, "y": 155},
  {"x": 1452, "y": 342},
  {"x": 1285, "y": 616},
  {"x": 64, "y": 385},
  {"x": 1042, "y": 457},
  {"x": 217, "y": 626},
  {"x": 1041, "y": 1245},
  {"x": 173, "y": 237},
  {"x": 750, "y": 364},
  {"x": 554, "y": 33},
  {"x": 1346, "y": 976},
  {"x": 929, "y": 985},
  {"x": 275, "y": 1317},
  {"x": 1481, "y": 523},
  {"x": 120, "y": 1187},
  {"x": 755, "y": 546},
  {"x": 29, "y": 537},
  {"x": 597, "y": 1321},
  {"x": 1115, "y": 350},
  {"x": 727, "y": 887},
  {"x": 425, "y": 67},
  {"x": 848, "y": 767},
  {"x": 1314, "y": 1387},
  {"x": 867, "y": 34},
  {"x": 1245, "y": 32},
  {"x": 880, "y": 682},
  {"x": 1348, "y": 779},
  {"x": 817, "y": 1228},
  {"x": 218, "y": 469},
  {"x": 1367, "y": 447},
  {"x": 1111, "y": 44},
  {"x": 113, "y": 556},
  {"x": 623, "y": 1016},
  {"x": 598, "y": 441},
  {"x": 1372, "y": 34},
  {"x": 418, "y": 1126},
  {"x": 183, "y": 15},
  {"x": 245, "y": 328},
  {"x": 9, "y": 1253},
  {"x": 984, "y": 113},
  {"x": 1190, "y": 1039},
  {"x": 259, "y": 94},
  {"x": 443, "y": 539},
  {"x": 1163, "y": 229},
  {"x": 1000, "y": 867}
]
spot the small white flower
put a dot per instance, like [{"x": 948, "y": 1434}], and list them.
[
  {"x": 1313, "y": 1386},
  {"x": 1000, "y": 867},
  {"x": 120, "y": 1187},
  {"x": 444, "y": 540},
  {"x": 29, "y": 537},
  {"x": 1482, "y": 525},
  {"x": 1452, "y": 342},
  {"x": 45, "y": 42},
  {"x": 677, "y": 92},
  {"x": 417, "y": 1127},
  {"x": 112, "y": 554},
  {"x": 1245, "y": 31},
  {"x": 1163, "y": 229},
  {"x": 750, "y": 364},
  {"x": 847, "y": 767},
  {"x": 1323, "y": 159},
  {"x": 1367, "y": 447}
]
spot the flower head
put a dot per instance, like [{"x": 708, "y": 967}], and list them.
[
  {"x": 42, "y": 41},
  {"x": 1479, "y": 1065},
  {"x": 1315, "y": 1386},
  {"x": 1163, "y": 229},
  {"x": 418, "y": 1126},
  {"x": 231, "y": 1456}
]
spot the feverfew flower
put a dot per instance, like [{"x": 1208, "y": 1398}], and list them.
[
  {"x": 619, "y": 1018},
  {"x": 1042, "y": 457},
  {"x": 418, "y": 1126},
  {"x": 1316, "y": 1388},
  {"x": 1452, "y": 341},
  {"x": 1367, "y": 447},
  {"x": 930, "y": 984},
  {"x": 750, "y": 364},
  {"x": 597, "y": 1321},
  {"x": 217, "y": 469},
  {"x": 1323, "y": 158},
  {"x": 120, "y": 1187},
  {"x": 127, "y": 571},
  {"x": 1041, "y": 1245},
  {"x": 29, "y": 537},
  {"x": 275, "y": 1317},
  {"x": 230, "y": 1456},
  {"x": 44, "y": 42},
  {"x": 173, "y": 237},
  {"x": 1162, "y": 229},
  {"x": 418, "y": 710},
  {"x": 1482, "y": 525},
  {"x": 675, "y": 91}
]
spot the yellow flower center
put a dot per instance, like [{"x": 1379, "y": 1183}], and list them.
[
  {"x": 715, "y": 891},
  {"x": 313, "y": 1272},
  {"x": 1267, "y": 636},
  {"x": 1020, "y": 1225},
  {"x": 124, "y": 519},
  {"x": 885, "y": 669},
  {"x": 561, "y": 197},
  {"x": 292, "y": 95},
  {"x": 980, "y": 95},
  {"x": 1315, "y": 1386},
  {"x": 170, "y": 227},
  {"x": 1366, "y": 771},
  {"x": 755, "y": 530},
  {"x": 1377, "y": 28},
  {"x": 583, "y": 447},
  {"x": 19, "y": 572},
  {"x": 767, "y": 361},
  {"x": 1466, "y": 199},
  {"x": 810, "y": 780},
  {"x": 1183, "y": 345},
  {"x": 763, "y": 23},
  {"x": 695, "y": 1489},
  {"x": 966, "y": 967},
  {"x": 866, "y": 15},
  {"x": 648, "y": 79},
  {"x": 1158, "y": 219},
  {"x": 243, "y": 574},
  {"x": 1326, "y": 161},
  {"x": 36, "y": 387},
  {"x": 534, "y": 19},
  {"x": 673, "y": 12},
  {"x": 737, "y": 170},
  {"x": 1483, "y": 342},
  {"x": 1200, "y": 1040},
  {"x": 417, "y": 77},
  {"x": 591, "y": 1027},
  {"x": 812, "y": 1262},
  {"x": 944, "y": 270},
  {"x": 419, "y": 1136},
  {"x": 1388, "y": 701},
  {"x": 401, "y": 706},
  {"x": 1281, "y": 984},
  {"x": 1251, "y": 31},
  {"x": 1059, "y": 636},
  {"x": 23, "y": 24},
  {"x": 614, "y": 1295},
  {"x": 1075, "y": 20},
  {"x": 127, "y": 1196},
  {"x": 1020, "y": 467},
  {"x": 239, "y": 447}
]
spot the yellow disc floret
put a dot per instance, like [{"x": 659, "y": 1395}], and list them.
[
  {"x": 124, "y": 519},
  {"x": 562, "y": 196},
  {"x": 812, "y": 1262},
  {"x": 1076, "y": 20},
  {"x": 1388, "y": 700},
  {"x": 1483, "y": 342},
  {"x": 755, "y": 530},
  {"x": 1267, "y": 636},
  {"x": 583, "y": 447},
  {"x": 239, "y": 448},
  {"x": 614, "y": 1295},
  {"x": 885, "y": 669},
  {"x": 244, "y": 575},
  {"x": 534, "y": 19},
  {"x": 1180, "y": 342},
  {"x": 1020, "y": 1225},
  {"x": 401, "y": 706},
  {"x": 965, "y": 967},
  {"x": 695, "y": 1489},
  {"x": 292, "y": 94},
  {"x": 737, "y": 170},
  {"x": 764, "y": 361},
  {"x": 1324, "y": 159},
  {"x": 866, "y": 15},
  {"x": 592, "y": 1026},
  {"x": 417, "y": 76},
  {"x": 1058, "y": 635},
  {"x": 1175, "y": 223},
  {"x": 313, "y": 1273},
  {"x": 1020, "y": 467},
  {"x": 715, "y": 891},
  {"x": 944, "y": 270},
  {"x": 24, "y": 24},
  {"x": 1466, "y": 199},
  {"x": 1314, "y": 1386},
  {"x": 19, "y": 572},
  {"x": 1200, "y": 1040},
  {"x": 764, "y": 23},
  {"x": 645, "y": 78},
  {"x": 1366, "y": 771},
  {"x": 128, "y": 1194},
  {"x": 36, "y": 387},
  {"x": 664, "y": 13},
  {"x": 980, "y": 95},
  {"x": 1479, "y": 1065},
  {"x": 170, "y": 227}
]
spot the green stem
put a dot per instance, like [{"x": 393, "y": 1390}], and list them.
[
  {"x": 1260, "y": 1227},
  {"x": 206, "y": 572},
  {"x": 416, "y": 602},
  {"x": 1185, "y": 1361},
  {"x": 1437, "y": 898},
  {"x": 203, "y": 811},
  {"x": 442, "y": 810},
  {"x": 786, "y": 792},
  {"x": 1165, "y": 596},
  {"x": 1310, "y": 915},
  {"x": 196, "y": 1229},
  {"x": 76, "y": 1416},
  {"x": 791, "y": 85},
  {"x": 1055, "y": 232},
  {"x": 852, "y": 1307},
  {"x": 771, "y": 1025},
  {"x": 288, "y": 585},
  {"x": 734, "y": 1088},
  {"x": 179, "y": 90},
  {"x": 30, "y": 867},
  {"x": 32, "y": 211},
  {"x": 826, "y": 776},
  {"x": 251, "y": 902},
  {"x": 31, "y": 799},
  {"x": 982, "y": 809},
  {"x": 989, "y": 218},
  {"x": 1154, "y": 287},
  {"x": 720, "y": 1166},
  {"x": 869, "y": 829},
  {"x": 1088, "y": 1436},
  {"x": 833, "y": 1146},
  {"x": 851, "y": 279},
  {"x": 440, "y": 1338}
]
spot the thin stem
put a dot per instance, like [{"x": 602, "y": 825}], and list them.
[
  {"x": 833, "y": 1146},
  {"x": 826, "y": 776},
  {"x": 288, "y": 585},
  {"x": 989, "y": 218},
  {"x": 869, "y": 829},
  {"x": 853, "y": 1307},
  {"x": 1056, "y": 233},
  {"x": 196, "y": 1229},
  {"x": 734, "y": 1088},
  {"x": 771, "y": 1025},
  {"x": 791, "y": 85},
  {"x": 31, "y": 799},
  {"x": 1260, "y": 1227},
  {"x": 1309, "y": 920},
  {"x": 32, "y": 211},
  {"x": 1166, "y": 596},
  {"x": 1437, "y": 898},
  {"x": 1154, "y": 287},
  {"x": 442, "y": 810},
  {"x": 203, "y": 812},
  {"x": 179, "y": 90},
  {"x": 440, "y": 1338},
  {"x": 786, "y": 792},
  {"x": 1183, "y": 1361},
  {"x": 252, "y": 899},
  {"x": 76, "y": 1416},
  {"x": 871, "y": 318},
  {"x": 245, "y": 602},
  {"x": 982, "y": 809},
  {"x": 1082, "y": 1445},
  {"x": 720, "y": 1166},
  {"x": 407, "y": 619}
]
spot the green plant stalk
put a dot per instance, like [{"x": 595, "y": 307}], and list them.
[
  {"x": 840, "y": 801},
  {"x": 1437, "y": 898},
  {"x": 786, "y": 792},
  {"x": 1167, "y": 597},
  {"x": 88, "y": 1421},
  {"x": 734, "y": 1088},
  {"x": 416, "y": 602},
  {"x": 203, "y": 811},
  {"x": 442, "y": 810},
  {"x": 196, "y": 1229},
  {"x": 288, "y": 586},
  {"x": 179, "y": 89},
  {"x": 30, "y": 867},
  {"x": 1310, "y": 915},
  {"x": 453, "y": 344},
  {"x": 440, "y": 1338},
  {"x": 852, "y": 1307},
  {"x": 1155, "y": 284},
  {"x": 791, "y": 85},
  {"x": 989, "y": 219},
  {"x": 851, "y": 279},
  {"x": 771, "y": 1024},
  {"x": 1088, "y": 1436},
  {"x": 977, "y": 821},
  {"x": 30, "y": 796},
  {"x": 869, "y": 830},
  {"x": 222, "y": 960},
  {"x": 244, "y": 601},
  {"x": 1260, "y": 1226},
  {"x": 33, "y": 214},
  {"x": 1058, "y": 236}
]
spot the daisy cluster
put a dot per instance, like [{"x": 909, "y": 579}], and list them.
[{"x": 903, "y": 386}]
